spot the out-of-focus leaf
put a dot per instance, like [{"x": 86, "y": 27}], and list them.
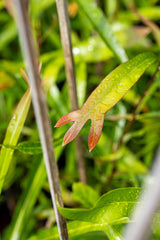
[
  {"x": 100, "y": 23},
  {"x": 81, "y": 78},
  {"x": 34, "y": 147},
  {"x": 39, "y": 6},
  {"x": 130, "y": 163},
  {"x": 90, "y": 51},
  {"x": 84, "y": 194},
  {"x": 5, "y": 80},
  {"x": 7, "y": 35},
  {"x": 129, "y": 36},
  {"x": 13, "y": 131},
  {"x": 51, "y": 71},
  {"x": 26, "y": 202},
  {"x": 104, "y": 97},
  {"x": 150, "y": 92},
  {"x": 1, "y": 4},
  {"x": 152, "y": 13},
  {"x": 112, "y": 208},
  {"x": 10, "y": 66}
]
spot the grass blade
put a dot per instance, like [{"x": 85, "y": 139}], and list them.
[
  {"x": 101, "y": 25},
  {"x": 13, "y": 132},
  {"x": 25, "y": 205}
]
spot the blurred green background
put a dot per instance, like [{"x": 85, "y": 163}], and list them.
[{"x": 25, "y": 204}]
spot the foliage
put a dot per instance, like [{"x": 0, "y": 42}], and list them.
[
  {"x": 104, "y": 97},
  {"x": 103, "y": 36}
]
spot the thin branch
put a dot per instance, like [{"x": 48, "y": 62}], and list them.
[
  {"x": 149, "y": 205},
  {"x": 118, "y": 117},
  {"x": 71, "y": 79},
  {"x": 154, "y": 28},
  {"x": 40, "y": 109}
]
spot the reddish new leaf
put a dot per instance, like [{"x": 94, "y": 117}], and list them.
[{"x": 104, "y": 97}]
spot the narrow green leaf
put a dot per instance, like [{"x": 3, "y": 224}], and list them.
[
  {"x": 13, "y": 131},
  {"x": 81, "y": 80},
  {"x": 7, "y": 35},
  {"x": 111, "y": 208},
  {"x": 100, "y": 23},
  {"x": 27, "y": 200},
  {"x": 33, "y": 147},
  {"x": 151, "y": 12},
  {"x": 30, "y": 147},
  {"x": 84, "y": 194}
]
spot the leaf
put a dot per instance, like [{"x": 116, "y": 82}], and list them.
[
  {"x": 6, "y": 81},
  {"x": 75, "y": 228},
  {"x": 130, "y": 163},
  {"x": 113, "y": 207},
  {"x": 7, "y": 35},
  {"x": 100, "y": 23},
  {"x": 33, "y": 147},
  {"x": 104, "y": 97},
  {"x": 115, "y": 204},
  {"x": 84, "y": 194},
  {"x": 13, "y": 131},
  {"x": 40, "y": 6},
  {"x": 23, "y": 210},
  {"x": 30, "y": 147}
]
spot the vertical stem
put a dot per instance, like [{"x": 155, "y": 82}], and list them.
[
  {"x": 40, "y": 109},
  {"x": 71, "y": 79}
]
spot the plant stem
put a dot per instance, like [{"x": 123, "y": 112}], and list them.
[
  {"x": 71, "y": 79},
  {"x": 154, "y": 28},
  {"x": 40, "y": 109}
]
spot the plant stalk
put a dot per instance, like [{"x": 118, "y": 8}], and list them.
[
  {"x": 40, "y": 109},
  {"x": 71, "y": 78}
]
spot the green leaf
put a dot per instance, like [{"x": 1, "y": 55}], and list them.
[
  {"x": 81, "y": 80},
  {"x": 27, "y": 200},
  {"x": 30, "y": 147},
  {"x": 100, "y": 23},
  {"x": 39, "y": 6},
  {"x": 77, "y": 228},
  {"x": 130, "y": 163},
  {"x": 111, "y": 208},
  {"x": 33, "y": 147},
  {"x": 6, "y": 81},
  {"x": 84, "y": 194},
  {"x": 152, "y": 13},
  {"x": 7, "y": 35},
  {"x": 13, "y": 132}
]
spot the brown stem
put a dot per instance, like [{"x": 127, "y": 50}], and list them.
[
  {"x": 71, "y": 79},
  {"x": 154, "y": 28},
  {"x": 40, "y": 109}
]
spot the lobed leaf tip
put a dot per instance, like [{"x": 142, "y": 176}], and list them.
[{"x": 57, "y": 124}]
